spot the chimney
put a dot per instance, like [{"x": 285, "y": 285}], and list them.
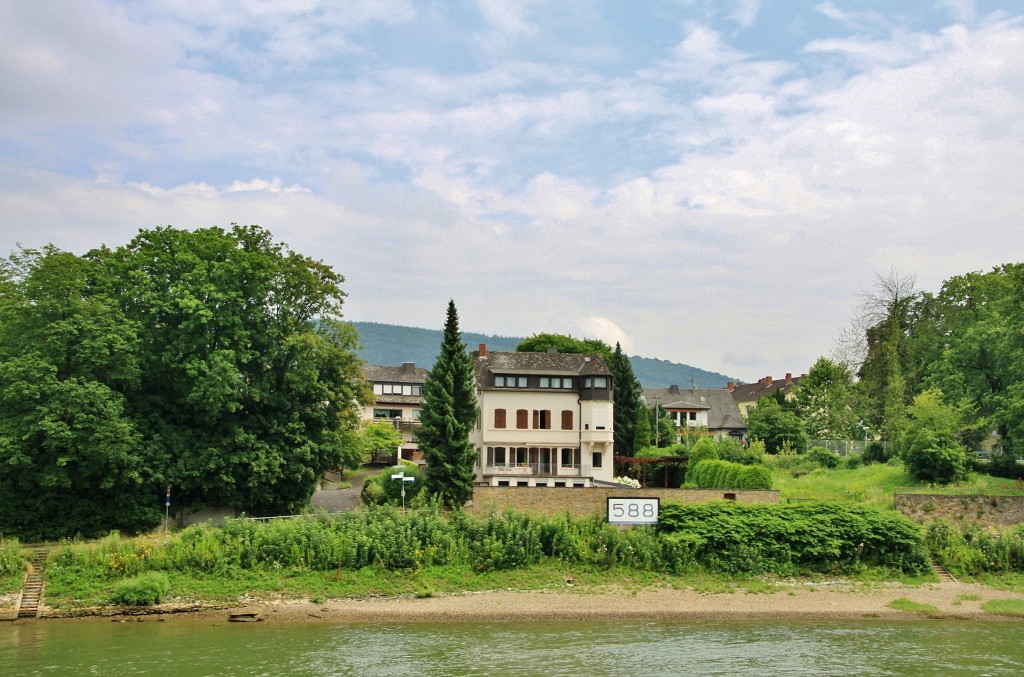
[
  {"x": 483, "y": 349},
  {"x": 673, "y": 389},
  {"x": 767, "y": 381},
  {"x": 409, "y": 368},
  {"x": 730, "y": 386},
  {"x": 789, "y": 378}
]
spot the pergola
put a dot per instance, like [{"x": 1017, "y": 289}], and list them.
[{"x": 628, "y": 463}]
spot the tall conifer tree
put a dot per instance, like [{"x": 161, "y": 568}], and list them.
[
  {"x": 448, "y": 414},
  {"x": 627, "y": 394}
]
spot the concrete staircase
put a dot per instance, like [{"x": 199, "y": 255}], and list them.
[{"x": 32, "y": 588}]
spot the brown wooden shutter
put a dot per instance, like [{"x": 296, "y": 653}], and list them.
[
  {"x": 499, "y": 418},
  {"x": 567, "y": 419},
  {"x": 522, "y": 422}
]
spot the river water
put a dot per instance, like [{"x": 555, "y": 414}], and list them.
[{"x": 652, "y": 649}]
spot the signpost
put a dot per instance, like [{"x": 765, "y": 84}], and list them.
[
  {"x": 401, "y": 476},
  {"x": 167, "y": 508}
]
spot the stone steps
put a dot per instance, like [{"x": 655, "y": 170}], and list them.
[{"x": 32, "y": 588}]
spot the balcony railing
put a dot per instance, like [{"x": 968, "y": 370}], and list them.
[{"x": 538, "y": 470}]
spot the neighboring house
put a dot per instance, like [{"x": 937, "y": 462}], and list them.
[
  {"x": 710, "y": 408},
  {"x": 545, "y": 419},
  {"x": 746, "y": 395},
  {"x": 398, "y": 393}
]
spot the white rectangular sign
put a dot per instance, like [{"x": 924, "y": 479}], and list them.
[{"x": 633, "y": 510}]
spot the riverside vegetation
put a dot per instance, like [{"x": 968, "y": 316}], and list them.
[{"x": 385, "y": 551}]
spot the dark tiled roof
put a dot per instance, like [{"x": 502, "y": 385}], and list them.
[
  {"x": 723, "y": 414},
  {"x": 564, "y": 364},
  {"x": 407, "y": 373},
  {"x": 752, "y": 392}
]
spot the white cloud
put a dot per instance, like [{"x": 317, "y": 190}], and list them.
[
  {"x": 604, "y": 329},
  {"x": 723, "y": 204}
]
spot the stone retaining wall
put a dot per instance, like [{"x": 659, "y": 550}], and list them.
[
  {"x": 583, "y": 502},
  {"x": 985, "y": 510}
]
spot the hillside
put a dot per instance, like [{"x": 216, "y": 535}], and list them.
[{"x": 390, "y": 344}]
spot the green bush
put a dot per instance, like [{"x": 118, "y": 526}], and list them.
[
  {"x": 852, "y": 462},
  {"x": 972, "y": 550},
  {"x": 726, "y": 475},
  {"x": 11, "y": 561},
  {"x": 731, "y": 450},
  {"x": 876, "y": 452},
  {"x": 786, "y": 539},
  {"x": 703, "y": 449},
  {"x": 823, "y": 457},
  {"x": 935, "y": 457},
  {"x": 142, "y": 590}
]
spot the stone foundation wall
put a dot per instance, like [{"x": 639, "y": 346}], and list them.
[
  {"x": 985, "y": 510},
  {"x": 583, "y": 502}
]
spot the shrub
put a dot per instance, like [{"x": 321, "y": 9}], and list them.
[
  {"x": 935, "y": 457},
  {"x": 1003, "y": 465},
  {"x": 726, "y": 475},
  {"x": 703, "y": 449},
  {"x": 142, "y": 590},
  {"x": 784, "y": 539},
  {"x": 11, "y": 561},
  {"x": 852, "y": 462},
  {"x": 823, "y": 457},
  {"x": 876, "y": 452},
  {"x": 731, "y": 450}
]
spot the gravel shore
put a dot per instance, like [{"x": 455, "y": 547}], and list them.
[{"x": 798, "y": 602}]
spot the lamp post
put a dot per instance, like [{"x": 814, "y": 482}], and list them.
[{"x": 401, "y": 476}]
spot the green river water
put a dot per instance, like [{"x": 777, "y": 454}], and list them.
[{"x": 180, "y": 648}]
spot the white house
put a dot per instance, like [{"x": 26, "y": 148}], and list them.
[
  {"x": 712, "y": 409},
  {"x": 545, "y": 419}
]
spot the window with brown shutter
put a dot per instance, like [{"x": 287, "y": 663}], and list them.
[
  {"x": 499, "y": 418},
  {"x": 522, "y": 420},
  {"x": 567, "y": 419}
]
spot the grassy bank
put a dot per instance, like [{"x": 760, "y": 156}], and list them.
[
  {"x": 874, "y": 484},
  {"x": 386, "y": 552}
]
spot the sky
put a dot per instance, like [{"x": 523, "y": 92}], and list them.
[{"x": 708, "y": 182}]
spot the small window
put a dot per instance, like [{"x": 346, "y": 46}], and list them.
[
  {"x": 596, "y": 459},
  {"x": 600, "y": 381},
  {"x": 499, "y": 381},
  {"x": 499, "y": 455},
  {"x": 499, "y": 418},
  {"x": 545, "y": 382},
  {"x": 378, "y": 388},
  {"x": 502, "y": 483},
  {"x": 416, "y": 390},
  {"x": 521, "y": 381},
  {"x": 693, "y": 416}
]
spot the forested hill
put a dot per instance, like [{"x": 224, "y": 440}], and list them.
[{"x": 390, "y": 344}]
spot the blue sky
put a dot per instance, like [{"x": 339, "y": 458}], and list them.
[{"x": 707, "y": 182}]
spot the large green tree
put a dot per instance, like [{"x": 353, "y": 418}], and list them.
[
  {"x": 776, "y": 426},
  {"x": 71, "y": 459},
  {"x": 249, "y": 379},
  {"x": 826, "y": 403},
  {"x": 448, "y": 413}
]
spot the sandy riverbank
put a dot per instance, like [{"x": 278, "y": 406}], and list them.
[{"x": 798, "y": 602}]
